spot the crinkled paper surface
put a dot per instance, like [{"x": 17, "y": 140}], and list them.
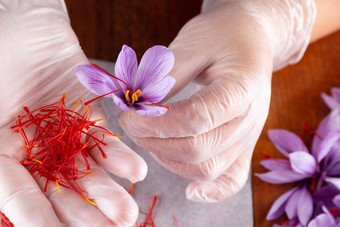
[{"x": 235, "y": 212}]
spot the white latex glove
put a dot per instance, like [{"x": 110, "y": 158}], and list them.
[
  {"x": 38, "y": 51},
  {"x": 230, "y": 50}
]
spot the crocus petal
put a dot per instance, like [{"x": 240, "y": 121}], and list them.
[
  {"x": 325, "y": 195},
  {"x": 95, "y": 80},
  {"x": 335, "y": 181},
  {"x": 285, "y": 141},
  {"x": 160, "y": 90},
  {"x": 156, "y": 63},
  {"x": 303, "y": 162},
  {"x": 149, "y": 111},
  {"x": 336, "y": 93},
  {"x": 120, "y": 103},
  {"x": 281, "y": 176},
  {"x": 331, "y": 102},
  {"x": 277, "y": 208},
  {"x": 126, "y": 66},
  {"x": 305, "y": 206},
  {"x": 330, "y": 123},
  {"x": 326, "y": 144},
  {"x": 336, "y": 200},
  {"x": 322, "y": 220},
  {"x": 334, "y": 170},
  {"x": 292, "y": 203},
  {"x": 273, "y": 164}
]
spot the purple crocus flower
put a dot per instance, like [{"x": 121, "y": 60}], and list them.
[
  {"x": 332, "y": 101},
  {"x": 133, "y": 87},
  {"x": 301, "y": 164},
  {"x": 322, "y": 167}
]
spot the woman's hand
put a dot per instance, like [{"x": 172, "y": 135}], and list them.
[
  {"x": 230, "y": 50},
  {"x": 38, "y": 51}
]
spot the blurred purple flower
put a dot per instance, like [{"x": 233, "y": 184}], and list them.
[
  {"x": 332, "y": 101},
  {"x": 133, "y": 87},
  {"x": 318, "y": 171},
  {"x": 301, "y": 165}
]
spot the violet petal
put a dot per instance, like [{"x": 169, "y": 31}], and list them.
[
  {"x": 331, "y": 102},
  {"x": 334, "y": 170},
  {"x": 335, "y": 91},
  {"x": 322, "y": 220},
  {"x": 326, "y": 144},
  {"x": 160, "y": 90},
  {"x": 292, "y": 202},
  {"x": 336, "y": 200},
  {"x": 330, "y": 123},
  {"x": 277, "y": 208},
  {"x": 305, "y": 206},
  {"x": 335, "y": 181},
  {"x": 120, "y": 103},
  {"x": 271, "y": 164},
  {"x": 285, "y": 141},
  {"x": 302, "y": 162},
  {"x": 149, "y": 111},
  {"x": 156, "y": 63},
  {"x": 94, "y": 79},
  {"x": 325, "y": 195},
  {"x": 126, "y": 66},
  {"x": 281, "y": 176}
]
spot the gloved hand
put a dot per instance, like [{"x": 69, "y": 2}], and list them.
[
  {"x": 230, "y": 50},
  {"x": 38, "y": 51}
]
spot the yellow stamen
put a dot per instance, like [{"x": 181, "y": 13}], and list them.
[
  {"x": 36, "y": 160},
  {"x": 134, "y": 96},
  {"x": 127, "y": 96},
  {"x": 101, "y": 119},
  {"x": 90, "y": 202},
  {"x": 58, "y": 189}
]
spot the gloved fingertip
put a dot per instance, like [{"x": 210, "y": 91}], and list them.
[
  {"x": 139, "y": 172},
  {"x": 128, "y": 212},
  {"x": 200, "y": 192}
]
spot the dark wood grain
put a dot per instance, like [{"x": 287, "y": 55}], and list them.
[
  {"x": 103, "y": 26},
  {"x": 295, "y": 99}
]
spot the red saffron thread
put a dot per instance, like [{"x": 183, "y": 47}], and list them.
[
  {"x": 5, "y": 221},
  {"x": 176, "y": 221},
  {"x": 149, "y": 220},
  {"x": 59, "y": 135},
  {"x": 274, "y": 159},
  {"x": 309, "y": 129}
]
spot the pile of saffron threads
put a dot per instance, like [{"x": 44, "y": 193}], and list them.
[
  {"x": 4, "y": 222},
  {"x": 57, "y": 135}
]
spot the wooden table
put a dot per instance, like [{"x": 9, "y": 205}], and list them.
[{"x": 104, "y": 26}]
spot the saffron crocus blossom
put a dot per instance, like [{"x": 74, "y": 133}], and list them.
[
  {"x": 322, "y": 167},
  {"x": 332, "y": 101},
  {"x": 133, "y": 87},
  {"x": 301, "y": 164}
]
